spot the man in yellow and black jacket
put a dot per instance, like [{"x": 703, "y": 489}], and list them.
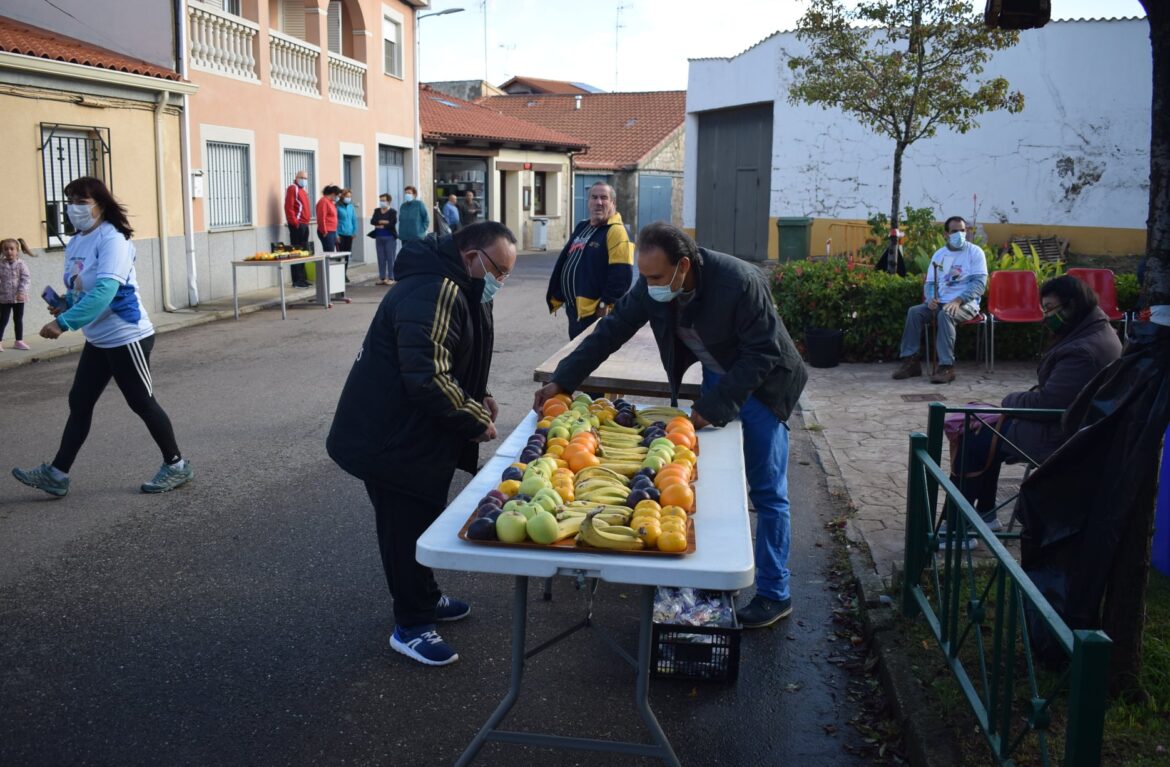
[
  {"x": 596, "y": 266},
  {"x": 416, "y": 406}
]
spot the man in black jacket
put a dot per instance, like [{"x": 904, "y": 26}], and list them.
[
  {"x": 714, "y": 309},
  {"x": 415, "y": 407}
]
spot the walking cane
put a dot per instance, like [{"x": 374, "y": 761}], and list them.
[{"x": 932, "y": 331}]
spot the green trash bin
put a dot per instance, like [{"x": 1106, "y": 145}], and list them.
[{"x": 793, "y": 233}]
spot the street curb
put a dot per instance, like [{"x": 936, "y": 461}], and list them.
[{"x": 928, "y": 742}]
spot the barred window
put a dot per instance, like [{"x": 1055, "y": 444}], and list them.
[
  {"x": 229, "y": 185},
  {"x": 69, "y": 152}
]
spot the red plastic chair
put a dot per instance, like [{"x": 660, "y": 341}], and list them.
[
  {"x": 1012, "y": 296},
  {"x": 1103, "y": 283}
]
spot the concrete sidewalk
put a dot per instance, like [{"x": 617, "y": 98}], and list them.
[
  {"x": 865, "y": 420},
  {"x": 164, "y": 322}
]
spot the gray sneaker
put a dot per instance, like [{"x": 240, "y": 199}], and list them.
[
  {"x": 42, "y": 479},
  {"x": 169, "y": 477}
]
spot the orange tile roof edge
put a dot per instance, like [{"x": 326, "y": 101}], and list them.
[
  {"x": 443, "y": 117},
  {"x": 26, "y": 40}
]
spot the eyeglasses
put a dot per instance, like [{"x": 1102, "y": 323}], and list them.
[
  {"x": 500, "y": 274},
  {"x": 1048, "y": 309}
]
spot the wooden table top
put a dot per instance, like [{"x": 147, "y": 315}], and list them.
[{"x": 634, "y": 369}]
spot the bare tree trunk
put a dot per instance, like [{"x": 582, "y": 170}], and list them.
[
  {"x": 1124, "y": 612},
  {"x": 1158, "y": 225},
  {"x": 895, "y": 206}
]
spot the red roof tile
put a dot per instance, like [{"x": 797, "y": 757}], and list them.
[
  {"x": 540, "y": 85},
  {"x": 26, "y": 40},
  {"x": 620, "y": 128},
  {"x": 443, "y": 117}
]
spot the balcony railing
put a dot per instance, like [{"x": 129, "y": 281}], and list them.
[
  {"x": 347, "y": 81},
  {"x": 222, "y": 43},
  {"x": 294, "y": 64}
]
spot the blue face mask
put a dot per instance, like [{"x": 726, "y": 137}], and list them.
[
  {"x": 491, "y": 285},
  {"x": 956, "y": 239},
  {"x": 663, "y": 293}
]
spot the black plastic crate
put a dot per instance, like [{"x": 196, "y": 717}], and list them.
[{"x": 698, "y": 653}]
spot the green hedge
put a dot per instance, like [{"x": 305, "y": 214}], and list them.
[{"x": 870, "y": 307}]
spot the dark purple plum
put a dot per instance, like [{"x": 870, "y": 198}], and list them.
[
  {"x": 636, "y": 497},
  {"x": 497, "y": 495},
  {"x": 493, "y": 500},
  {"x": 653, "y": 493},
  {"x": 484, "y": 509},
  {"x": 511, "y": 473},
  {"x": 482, "y": 529},
  {"x": 542, "y": 431},
  {"x": 522, "y": 497}
]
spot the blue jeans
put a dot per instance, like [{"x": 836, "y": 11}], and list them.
[{"x": 765, "y": 456}]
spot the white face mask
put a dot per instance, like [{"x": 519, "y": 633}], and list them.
[
  {"x": 408, "y": 196},
  {"x": 301, "y": 182},
  {"x": 347, "y": 200},
  {"x": 384, "y": 205},
  {"x": 663, "y": 293},
  {"x": 81, "y": 217}
]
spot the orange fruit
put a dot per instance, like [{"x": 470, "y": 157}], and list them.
[
  {"x": 679, "y": 422},
  {"x": 575, "y": 449},
  {"x": 554, "y": 450},
  {"x": 673, "y": 523},
  {"x": 668, "y": 476},
  {"x": 673, "y": 511},
  {"x": 564, "y": 399},
  {"x": 678, "y": 495},
  {"x": 680, "y": 437},
  {"x": 553, "y": 407},
  {"x": 672, "y": 541},
  {"x": 646, "y": 505},
  {"x": 558, "y": 441},
  {"x": 648, "y": 531},
  {"x": 584, "y": 438},
  {"x": 581, "y": 460},
  {"x": 509, "y": 487}
]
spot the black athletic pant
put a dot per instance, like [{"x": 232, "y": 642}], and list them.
[
  {"x": 298, "y": 237},
  {"x": 129, "y": 366},
  {"x": 17, "y": 312},
  {"x": 401, "y": 521}
]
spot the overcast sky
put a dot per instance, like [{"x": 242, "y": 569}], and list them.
[{"x": 575, "y": 41}]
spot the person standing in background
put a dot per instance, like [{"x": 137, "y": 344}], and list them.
[
  {"x": 296, "y": 215},
  {"x": 14, "y": 280},
  {"x": 385, "y": 234},
  {"x": 451, "y": 212},
  {"x": 413, "y": 219},
  {"x": 346, "y": 226},
  {"x": 327, "y": 218},
  {"x": 468, "y": 209}
]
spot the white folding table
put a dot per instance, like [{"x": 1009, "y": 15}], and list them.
[
  {"x": 723, "y": 561},
  {"x": 324, "y": 295}
]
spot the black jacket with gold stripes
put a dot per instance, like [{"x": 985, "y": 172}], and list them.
[{"x": 413, "y": 401}]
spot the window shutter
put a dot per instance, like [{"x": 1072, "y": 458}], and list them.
[
  {"x": 292, "y": 18},
  {"x": 335, "y": 26}
]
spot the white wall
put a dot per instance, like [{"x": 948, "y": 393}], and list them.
[{"x": 1078, "y": 155}]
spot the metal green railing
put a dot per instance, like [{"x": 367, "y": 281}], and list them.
[{"x": 977, "y": 613}]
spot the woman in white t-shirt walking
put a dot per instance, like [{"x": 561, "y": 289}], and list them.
[{"x": 102, "y": 300}]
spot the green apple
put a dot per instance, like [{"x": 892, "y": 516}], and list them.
[
  {"x": 541, "y": 527},
  {"x": 559, "y": 430},
  {"x": 548, "y": 499},
  {"x": 533, "y": 484},
  {"x": 663, "y": 442},
  {"x": 514, "y": 505},
  {"x": 666, "y": 457},
  {"x": 512, "y": 527},
  {"x": 653, "y": 461}
]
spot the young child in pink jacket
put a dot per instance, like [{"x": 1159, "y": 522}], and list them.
[{"x": 14, "y": 279}]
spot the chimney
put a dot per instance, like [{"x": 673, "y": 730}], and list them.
[{"x": 576, "y": 102}]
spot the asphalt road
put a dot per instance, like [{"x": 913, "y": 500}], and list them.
[{"x": 243, "y": 619}]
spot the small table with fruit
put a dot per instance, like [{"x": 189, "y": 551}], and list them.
[
  {"x": 280, "y": 259},
  {"x": 606, "y": 491}
]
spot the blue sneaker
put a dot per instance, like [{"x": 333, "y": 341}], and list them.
[
  {"x": 448, "y": 609},
  {"x": 169, "y": 477},
  {"x": 42, "y": 479},
  {"x": 423, "y": 644}
]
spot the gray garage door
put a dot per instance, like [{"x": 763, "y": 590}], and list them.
[{"x": 734, "y": 180}]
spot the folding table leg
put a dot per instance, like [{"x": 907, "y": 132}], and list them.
[{"x": 519, "y": 630}]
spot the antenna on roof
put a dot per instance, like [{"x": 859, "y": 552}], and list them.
[{"x": 617, "y": 27}]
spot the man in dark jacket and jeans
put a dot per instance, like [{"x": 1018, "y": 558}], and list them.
[
  {"x": 415, "y": 407},
  {"x": 714, "y": 309}
]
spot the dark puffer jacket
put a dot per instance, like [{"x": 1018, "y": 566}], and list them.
[
  {"x": 413, "y": 401},
  {"x": 734, "y": 316},
  {"x": 1064, "y": 370}
]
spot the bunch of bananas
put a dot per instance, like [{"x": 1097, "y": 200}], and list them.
[
  {"x": 600, "y": 534},
  {"x": 601, "y": 484},
  {"x": 649, "y": 415},
  {"x": 620, "y": 448}
]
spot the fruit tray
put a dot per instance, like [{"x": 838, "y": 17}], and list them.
[{"x": 570, "y": 544}]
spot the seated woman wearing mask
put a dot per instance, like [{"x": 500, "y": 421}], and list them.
[{"x": 1083, "y": 344}]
